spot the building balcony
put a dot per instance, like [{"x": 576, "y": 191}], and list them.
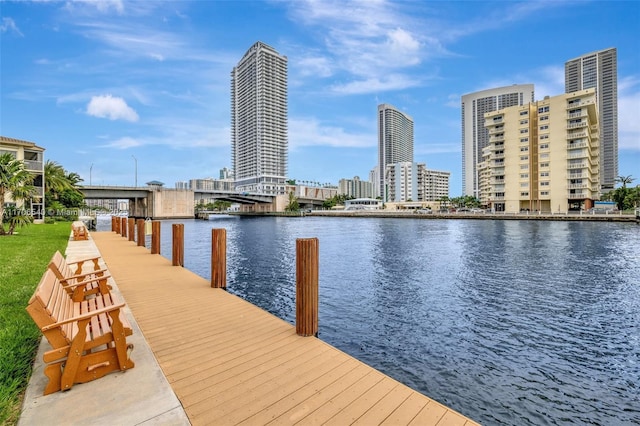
[
  {"x": 576, "y": 135},
  {"x": 33, "y": 166},
  {"x": 577, "y": 166},
  {"x": 494, "y": 138},
  {"x": 578, "y": 155},
  {"x": 577, "y": 186},
  {"x": 497, "y": 156},
  {"x": 577, "y": 125},
  {"x": 577, "y": 196},
  {"x": 577, "y": 145},
  {"x": 577, "y": 114},
  {"x": 578, "y": 103}
]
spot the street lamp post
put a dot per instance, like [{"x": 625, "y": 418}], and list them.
[
  {"x": 90, "y": 169},
  {"x": 136, "y": 160}
]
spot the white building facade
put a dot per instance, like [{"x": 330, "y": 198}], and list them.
[
  {"x": 475, "y": 136},
  {"x": 259, "y": 133},
  {"x": 395, "y": 142},
  {"x": 355, "y": 188}
]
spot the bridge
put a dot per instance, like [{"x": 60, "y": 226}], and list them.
[{"x": 157, "y": 202}]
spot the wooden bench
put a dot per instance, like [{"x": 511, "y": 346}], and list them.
[
  {"x": 79, "y": 231},
  {"x": 94, "y": 281},
  {"x": 88, "y": 338}
]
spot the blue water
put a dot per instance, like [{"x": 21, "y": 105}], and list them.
[{"x": 507, "y": 322}]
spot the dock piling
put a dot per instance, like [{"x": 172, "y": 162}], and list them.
[
  {"x": 155, "y": 237},
  {"x": 219, "y": 258},
  {"x": 177, "y": 258},
  {"x": 131, "y": 222},
  {"x": 307, "y": 286},
  {"x": 123, "y": 227},
  {"x": 140, "y": 229}
]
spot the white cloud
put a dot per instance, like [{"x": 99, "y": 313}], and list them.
[
  {"x": 106, "y": 106},
  {"x": 376, "y": 84},
  {"x": 123, "y": 143},
  {"x": 9, "y": 24},
  {"x": 102, "y": 6},
  {"x": 310, "y": 132}
]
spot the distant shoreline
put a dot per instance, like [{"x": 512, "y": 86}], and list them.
[{"x": 481, "y": 216}]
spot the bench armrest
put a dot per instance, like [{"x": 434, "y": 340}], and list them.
[
  {"x": 84, "y": 282},
  {"x": 84, "y": 274},
  {"x": 88, "y": 259},
  {"x": 86, "y": 315}
]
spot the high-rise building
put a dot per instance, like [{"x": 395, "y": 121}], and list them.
[
  {"x": 414, "y": 182},
  {"x": 599, "y": 70},
  {"x": 259, "y": 140},
  {"x": 395, "y": 141},
  {"x": 543, "y": 156},
  {"x": 355, "y": 188},
  {"x": 475, "y": 136}
]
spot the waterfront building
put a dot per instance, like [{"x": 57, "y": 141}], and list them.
[
  {"x": 599, "y": 70},
  {"x": 435, "y": 184},
  {"x": 182, "y": 184},
  {"x": 474, "y": 135},
  {"x": 395, "y": 142},
  {"x": 542, "y": 156},
  {"x": 414, "y": 182},
  {"x": 33, "y": 157},
  {"x": 259, "y": 141},
  {"x": 402, "y": 182},
  {"x": 374, "y": 178},
  {"x": 355, "y": 188},
  {"x": 363, "y": 204}
]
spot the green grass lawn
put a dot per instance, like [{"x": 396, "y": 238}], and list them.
[{"x": 23, "y": 259}]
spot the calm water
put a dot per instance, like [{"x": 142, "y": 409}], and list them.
[{"x": 508, "y": 322}]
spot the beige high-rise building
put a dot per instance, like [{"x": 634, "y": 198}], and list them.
[
  {"x": 543, "y": 156},
  {"x": 474, "y": 136}
]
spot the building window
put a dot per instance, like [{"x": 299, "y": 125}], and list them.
[
  {"x": 524, "y": 184},
  {"x": 524, "y": 157},
  {"x": 544, "y": 137},
  {"x": 545, "y": 183},
  {"x": 543, "y": 109},
  {"x": 524, "y": 140},
  {"x": 545, "y": 156},
  {"x": 524, "y": 149},
  {"x": 524, "y": 112},
  {"x": 544, "y": 164},
  {"x": 545, "y": 127},
  {"x": 543, "y": 174},
  {"x": 544, "y": 192},
  {"x": 524, "y": 175},
  {"x": 524, "y": 167},
  {"x": 524, "y": 194},
  {"x": 524, "y": 131},
  {"x": 544, "y": 146},
  {"x": 544, "y": 117},
  {"x": 524, "y": 122}
]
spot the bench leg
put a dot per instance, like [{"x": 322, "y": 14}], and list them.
[
  {"x": 75, "y": 354},
  {"x": 120, "y": 340},
  {"x": 54, "y": 374}
]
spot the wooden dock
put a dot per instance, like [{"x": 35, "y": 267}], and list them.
[{"x": 230, "y": 362}]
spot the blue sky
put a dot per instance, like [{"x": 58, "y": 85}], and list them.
[{"x": 99, "y": 83}]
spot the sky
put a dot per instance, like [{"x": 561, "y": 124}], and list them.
[{"x": 132, "y": 91}]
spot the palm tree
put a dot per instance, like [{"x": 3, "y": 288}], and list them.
[
  {"x": 16, "y": 180},
  {"x": 624, "y": 180}
]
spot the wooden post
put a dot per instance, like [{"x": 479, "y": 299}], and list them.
[
  {"x": 155, "y": 237},
  {"x": 123, "y": 227},
  {"x": 117, "y": 224},
  {"x": 113, "y": 224},
  {"x": 219, "y": 258},
  {"x": 132, "y": 229},
  {"x": 177, "y": 258},
  {"x": 140, "y": 229},
  {"x": 307, "y": 286}
]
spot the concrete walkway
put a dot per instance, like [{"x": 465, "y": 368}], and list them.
[{"x": 141, "y": 396}]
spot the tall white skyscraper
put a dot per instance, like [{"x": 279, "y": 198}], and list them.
[
  {"x": 259, "y": 137},
  {"x": 395, "y": 141},
  {"x": 599, "y": 70},
  {"x": 475, "y": 136}
]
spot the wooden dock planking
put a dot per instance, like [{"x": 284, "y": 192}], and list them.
[{"x": 230, "y": 362}]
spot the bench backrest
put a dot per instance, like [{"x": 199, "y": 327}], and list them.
[
  {"x": 49, "y": 304},
  {"x": 60, "y": 267}
]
